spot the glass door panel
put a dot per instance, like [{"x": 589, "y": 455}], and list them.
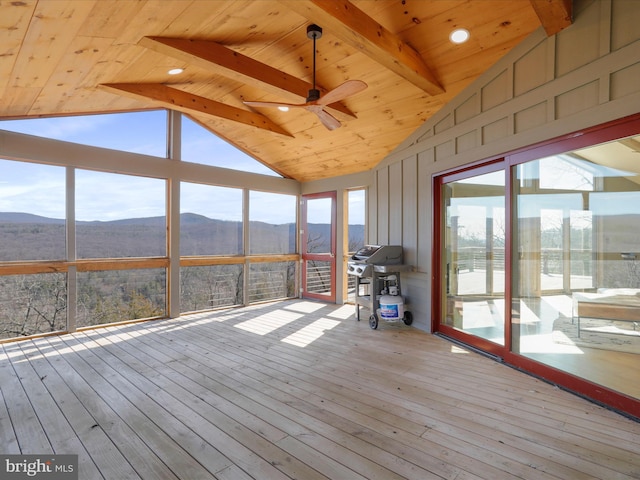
[
  {"x": 319, "y": 246},
  {"x": 473, "y": 256},
  {"x": 587, "y": 204},
  {"x": 356, "y": 214}
]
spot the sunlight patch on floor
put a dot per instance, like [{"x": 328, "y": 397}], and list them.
[
  {"x": 216, "y": 316},
  {"x": 269, "y": 322},
  {"x": 305, "y": 307},
  {"x": 310, "y": 333},
  {"x": 456, "y": 349},
  {"x": 344, "y": 312}
]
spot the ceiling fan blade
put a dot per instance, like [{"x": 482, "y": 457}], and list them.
[
  {"x": 348, "y": 88},
  {"x": 274, "y": 104},
  {"x": 326, "y": 118}
]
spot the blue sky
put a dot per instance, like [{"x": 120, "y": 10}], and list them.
[{"x": 39, "y": 189}]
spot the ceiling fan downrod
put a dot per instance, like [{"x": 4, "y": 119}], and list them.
[{"x": 314, "y": 32}]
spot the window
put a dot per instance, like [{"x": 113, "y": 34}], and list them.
[
  {"x": 271, "y": 281},
  {"x": 32, "y": 211},
  {"x": 120, "y": 295},
  {"x": 356, "y": 219},
  {"x": 210, "y": 220},
  {"x": 199, "y": 145},
  {"x": 272, "y": 223},
  {"x": 120, "y": 215},
  {"x": 32, "y": 304},
  {"x": 211, "y": 286},
  {"x": 136, "y": 132},
  {"x": 109, "y": 254}
]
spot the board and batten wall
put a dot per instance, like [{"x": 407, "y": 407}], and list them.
[{"x": 586, "y": 75}]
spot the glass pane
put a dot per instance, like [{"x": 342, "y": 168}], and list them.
[
  {"x": 271, "y": 281},
  {"x": 578, "y": 309},
  {"x": 32, "y": 304},
  {"x": 318, "y": 277},
  {"x": 552, "y": 233},
  {"x": 473, "y": 256},
  {"x": 356, "y": 201},
  {"x": 319, "y": 225},
  {"x": 136, "y": 132},
  {"x": 356, "y": 219},
  {"x": 208, "y": 287},
  {"x": 32, "y": 211},
  {"x": 199, "y": 145},
  {"x": 120, "y": 295},
  {"x": 272, "y": 223},
  {"x": 120, "y": 215},
  {"x": 210, "y": 220}
]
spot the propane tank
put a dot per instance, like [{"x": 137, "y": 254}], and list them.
[{"x": 391, "y": 308}]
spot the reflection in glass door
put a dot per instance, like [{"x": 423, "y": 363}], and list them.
[
  {"x": 586, "y": 324},
  {"x": 552, "y": 240},
  {"x": 319, "y": 246},
  {"x": 580, "y": 250},
  {"x": 473, "y": 255}
]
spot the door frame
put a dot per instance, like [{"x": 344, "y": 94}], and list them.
[
  {"x": 323, "y": 256},
  {"x": 438, "y": 289}
]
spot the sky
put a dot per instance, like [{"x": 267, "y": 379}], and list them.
[{"x": 40, "y": 189}]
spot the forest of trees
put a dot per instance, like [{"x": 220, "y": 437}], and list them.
[{"x": 31, "y": 304}]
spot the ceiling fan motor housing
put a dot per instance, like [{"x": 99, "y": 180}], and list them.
[
  {"x": 314, "y": 94},
  {"x": 314, "y": 31}
]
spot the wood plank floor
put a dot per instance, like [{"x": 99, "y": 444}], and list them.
[{"x": 298, "y": 390}]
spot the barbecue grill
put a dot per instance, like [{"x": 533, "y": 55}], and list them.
[{"x": 377, "y": 269}]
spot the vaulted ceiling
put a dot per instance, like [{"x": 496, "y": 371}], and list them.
[{"x": 69, "y": 57}]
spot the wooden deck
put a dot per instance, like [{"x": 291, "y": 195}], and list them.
[{"x": 299, "y": 390}]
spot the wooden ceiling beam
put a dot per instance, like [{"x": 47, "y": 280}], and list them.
[
  {"x": 185, "y": 102},
  {"x": 221, "y": 60},
  {"x": 554, "y": 15},
  {"x": 352, "y": 25}
]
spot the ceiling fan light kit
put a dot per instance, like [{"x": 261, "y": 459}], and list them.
[{"x": 316, "y": 102}]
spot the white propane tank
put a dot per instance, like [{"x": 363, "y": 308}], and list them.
[{"x": 391, "y": 308}]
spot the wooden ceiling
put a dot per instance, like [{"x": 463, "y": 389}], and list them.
[{"x": 66, "y": 57}]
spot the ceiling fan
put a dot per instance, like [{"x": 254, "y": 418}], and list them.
[{"x": 316, "y": 103}]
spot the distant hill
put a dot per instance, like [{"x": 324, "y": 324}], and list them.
[
  {"x": 18, "y": 217},
  {"x": 25, "y": 236}
]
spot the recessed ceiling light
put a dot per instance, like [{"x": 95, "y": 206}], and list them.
[
  {"x": 282, "y": 108},
  {"x": 175, "y": 71},
  {"x": 459, "y": 35}
]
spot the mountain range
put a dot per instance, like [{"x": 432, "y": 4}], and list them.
[{"x": 26, "y": 236}]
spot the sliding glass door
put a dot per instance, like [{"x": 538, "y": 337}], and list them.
[
  {"x": 539, "y": 263},
  {"x": 473, "y": 255}
]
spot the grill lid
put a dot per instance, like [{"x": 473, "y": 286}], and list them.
[{"x": 379, "y": 254}]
